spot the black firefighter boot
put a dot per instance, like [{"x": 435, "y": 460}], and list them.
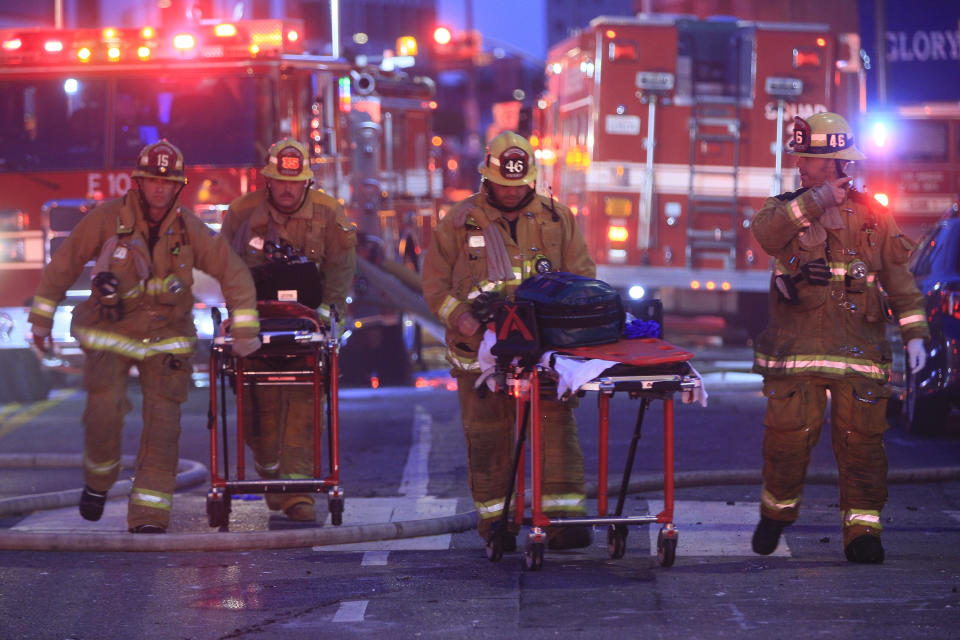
[
  {"x": 865, "y": 549},
  {"x": 91, "y": 503},
  {"x": 767, "y": 535}
]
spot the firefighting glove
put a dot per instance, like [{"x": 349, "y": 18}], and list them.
[
  {"x": 482, "y": 307},
  {"x": 816, "y": 272},
  {"x": 242, "y": 347},
  {"x": 916, "y": 355},
  {"x": 106, "y": 285},
  {"x": 41, "y": 338}
]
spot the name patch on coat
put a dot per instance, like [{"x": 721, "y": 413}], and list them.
[{"x": 477, "y": 241}]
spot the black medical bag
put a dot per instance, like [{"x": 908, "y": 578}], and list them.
[{"x": 573, "y": 310}]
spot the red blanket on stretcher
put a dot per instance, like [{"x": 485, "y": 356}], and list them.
[{"x": 640, "y": 352}]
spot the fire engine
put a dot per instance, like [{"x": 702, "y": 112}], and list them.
[
  {"x": 665, "y": 134},
  {"x": 76, "y": 105},
  {"x": 913, "y": 162}
]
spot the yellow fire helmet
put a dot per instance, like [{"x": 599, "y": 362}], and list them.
[
  {"x": 823, "y": 135},
  {"x": 509, "y": 161},
  {"x": 287, "y": 160},
  {"x": 160, "y": 160}
]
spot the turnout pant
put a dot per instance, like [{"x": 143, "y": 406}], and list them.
[
  {"x": 489, "y": 424},
  {"x": 164, "y": 384},
  {"x": 795, "y": 413}
]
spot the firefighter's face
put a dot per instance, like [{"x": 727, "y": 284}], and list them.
[
  {"x": 159, "y": 195},
  {"x": 509, "y": 196},
  {"x": 815, "y": 171},
  {"x": 286, "y": 194}
]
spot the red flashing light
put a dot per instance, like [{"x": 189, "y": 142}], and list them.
[
  {"x": 292, "y": 36},
  {"x": 53, "y": 46},
  {"x": 225, "y": 30},
  {"x": 184, "y": 41},
  {"x": 12, "y": 44},
  {"x": 821, "y": 42},
  {"x": 442, "y": 35}
]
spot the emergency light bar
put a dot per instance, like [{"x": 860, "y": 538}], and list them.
[
  {"x": 783, "y": 87},
  {"x": 206, "y": 40},
  {"x": 655, "y": 81}
]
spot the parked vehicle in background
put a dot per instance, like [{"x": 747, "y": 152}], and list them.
[
  {"x": 928, "y": 396},
  {"x": 913, "y": 162}
]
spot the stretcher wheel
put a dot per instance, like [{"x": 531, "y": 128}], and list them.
[
  {"x": 335, "y": 505},
  {"x": 617, "y": 540},
  {"x": 533, "y": 556},
  {"x": 667, "y": 547},
  {"x": 218, "y": 508}
]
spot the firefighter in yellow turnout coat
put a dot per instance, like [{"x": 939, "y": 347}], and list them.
[
  {"x": 491, "y": 242},
  {"x": 139, "y": 313},
  {"x": 289, "y": 214},
  {"x": 833, "y": 250}
]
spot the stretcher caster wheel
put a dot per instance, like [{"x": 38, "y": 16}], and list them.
[
  {"x": 667, "y": 546},
  {"x": 335, "y": 505},
  {"x": 617, "y": 540},
  {"x": 533, "y": 556},
  {"x": 218, "y": 508}
]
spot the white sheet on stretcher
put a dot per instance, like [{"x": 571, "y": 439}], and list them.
[{"x": 572, "y": 373}]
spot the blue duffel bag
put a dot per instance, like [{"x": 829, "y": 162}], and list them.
[{"x": 572, "y": 310}]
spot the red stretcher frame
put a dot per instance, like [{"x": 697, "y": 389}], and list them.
[
  {"x": 644, "y": 382},
  {"x": 321, "y": 350}
]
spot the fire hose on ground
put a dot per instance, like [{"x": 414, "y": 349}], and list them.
[{"x": 192, "y": 474}]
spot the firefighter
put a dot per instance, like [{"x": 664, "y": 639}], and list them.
[
  {"x": 296, "y": 220},
  {"x": 145, "y": 247},
  {"x": 491, "y": 242},
  {"x": 835, "y": 252}
]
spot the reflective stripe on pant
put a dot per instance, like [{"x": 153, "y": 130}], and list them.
[
  {"x": 795, "y": 413},
  {"x": 278, "y": 427},
  {"x": 489, "y": 426},
  {"x": 164, "y": 382}
]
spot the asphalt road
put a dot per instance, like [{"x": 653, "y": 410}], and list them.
[{"x": 403, "y": 458}]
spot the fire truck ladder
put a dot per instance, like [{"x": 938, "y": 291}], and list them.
[{"x": 713, "y": 214}]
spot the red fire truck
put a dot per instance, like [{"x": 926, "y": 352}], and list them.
[
  {"x": 666, "y": 133},
  {"x": 913, "y": 162},
  {"x": 77, "y": 105}
]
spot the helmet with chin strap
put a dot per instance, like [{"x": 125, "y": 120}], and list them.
[
  {"x": 160, "y": 160},
  {"x": 509, "y": 161},
  {"x": 823, "y": 135},
  {"x": 287, "y": 160}
]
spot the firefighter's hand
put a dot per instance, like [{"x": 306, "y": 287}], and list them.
[
  {"x": 916, "y": 355},
  {"x": 467, "y": 324},
  {"x": 41, "y": 338},
  {"x": 835, "y": 191},
  {"x": 242, "y": 347},
  {"x": 816, "y": 272}
]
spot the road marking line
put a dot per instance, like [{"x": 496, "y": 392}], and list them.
[
  {"x": 34, "y": 409},
  {"x": 351, "y": 611},
  {"x": 374, "y": 558},
  {"x": 713, "y": 528},
  {"x": 416, "y": 472}
]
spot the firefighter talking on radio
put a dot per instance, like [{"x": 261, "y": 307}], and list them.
[
  {"x": 836, "y": 252},
  {"x": 488, "y": 244},
  {"x": 290, "y": 220},
  {"x": 139, "y": 313}
]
